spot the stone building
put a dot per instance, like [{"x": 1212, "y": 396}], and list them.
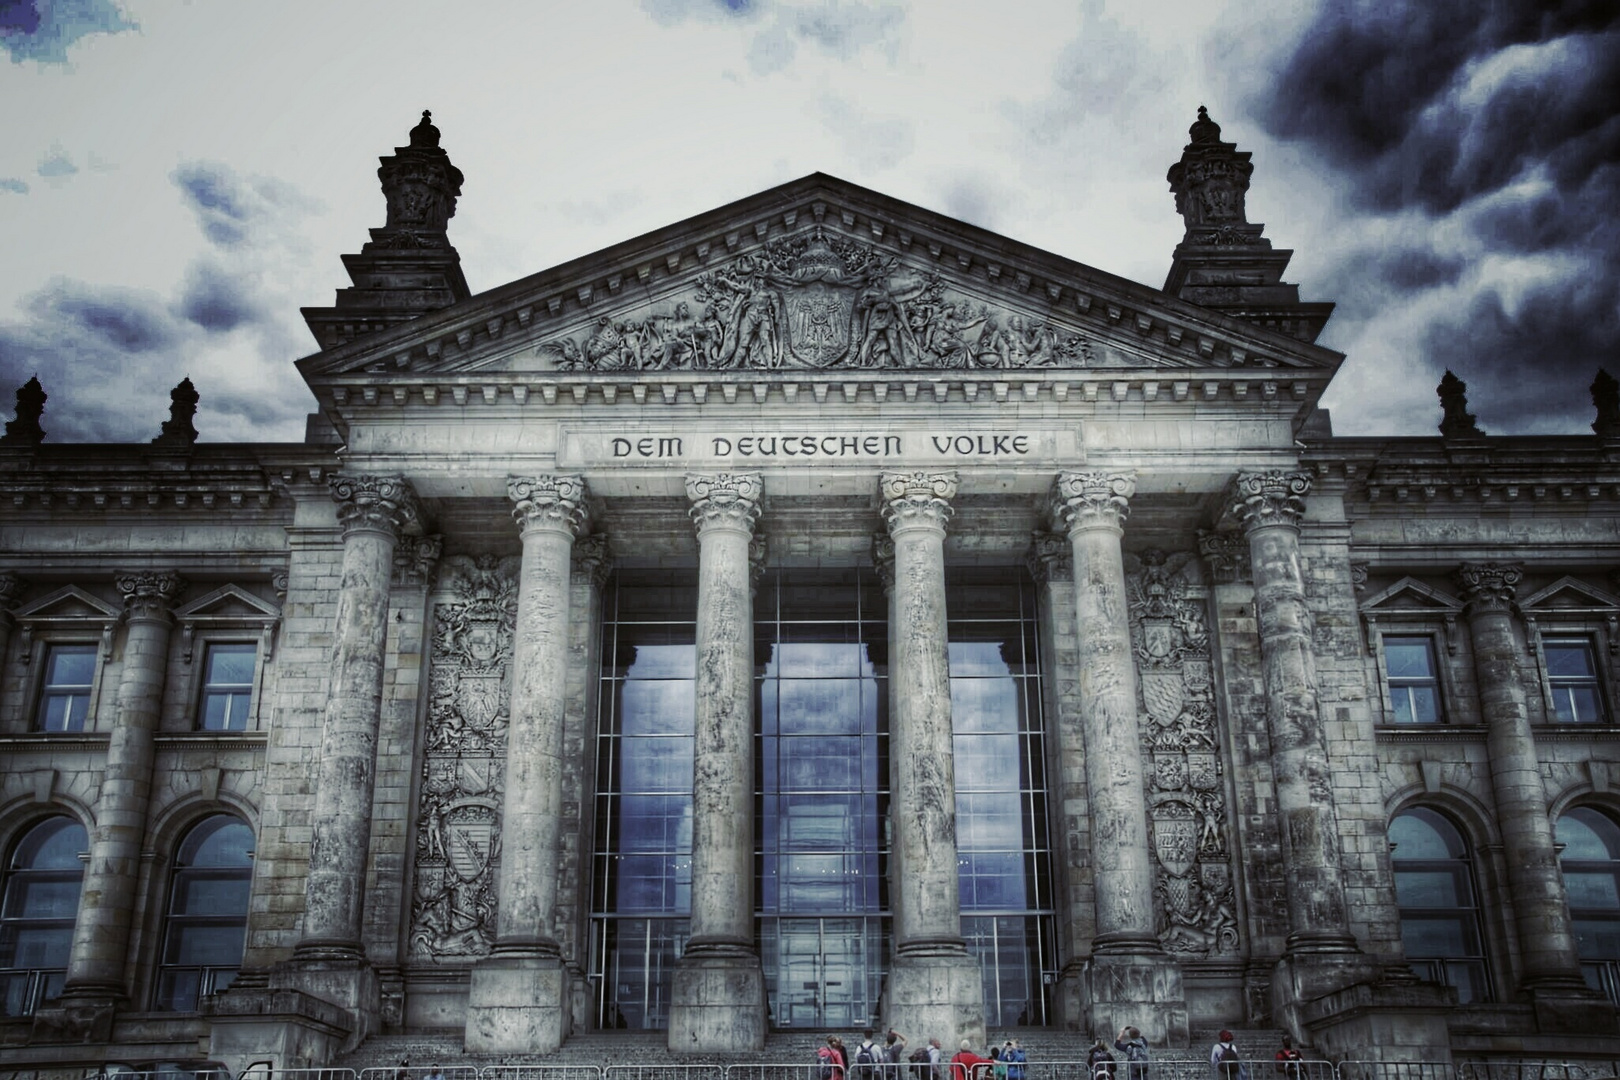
[{"x": 815, "y": 611}]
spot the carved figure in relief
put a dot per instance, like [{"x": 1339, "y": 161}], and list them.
[{"x": 818, "y": 300}]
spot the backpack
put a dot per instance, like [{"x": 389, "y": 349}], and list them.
[
  {"x": 824, "y": 1058},
  {"x": 866, "y": 1059},
  {"x": 920, "y": 1063},
  {"x": 1229, "y": 1060}
]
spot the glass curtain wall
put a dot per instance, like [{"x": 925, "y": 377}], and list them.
[
  {"x": 1001, "y": 837},
  {"x": 821, "y": 768}
]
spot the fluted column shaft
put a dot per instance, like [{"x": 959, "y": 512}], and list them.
[
  {"x": 550, "y": 513},
  {"x": 373, "y": 511},
  {"x": 724, "y": 508},
  {"x": 1547, "y": 949},
  {"x": 922, "y": 769},
  {"x": 1092, "y": 507},
  {"x": 1270, "y": 506},
  {"x": 101, "y": 931}
]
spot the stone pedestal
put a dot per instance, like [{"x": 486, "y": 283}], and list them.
[
  {"x": 718, "y": 1001},
  {"x": 934, "y": 985},
  {"x": 518, "y": 1000},
  {"x": 1550, "y": 971},
  {"x": 95, "y": 980},
  {"x": 1129, "y": 973}
]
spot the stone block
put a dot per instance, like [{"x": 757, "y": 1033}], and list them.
[
  {"x": 1145, "y": 992},
  {"x": 517, "y": 1005},
  {"x": 939, "y": 996},
  {"x": 717, "y": 1005}
]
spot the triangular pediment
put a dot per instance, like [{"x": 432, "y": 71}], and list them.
[
  {"x": 817, "y": 276},
  {"x": 228, "y": 602},
  {"x": 1569, "y": 593},
  {"x": 1409, "y": 595},
  {"x": 68, "y": 602}
]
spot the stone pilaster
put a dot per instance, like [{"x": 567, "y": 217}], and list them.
[
  {"x": 96, "y": 976},
  {"x": 1129, "y": 980},
  {"x": 934, "y": 985},
  {"x": 719, "y": 993},
  {"x": 518, "y": 1000},
  {"x": 10, "y": 589},
  {"x": 1550, "y": 970},
  {"x": 1321, "y": 954}
]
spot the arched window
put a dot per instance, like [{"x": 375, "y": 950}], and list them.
[
  {"x": 41, "y": 901},
  {"x": 1591, "y": 861},
  {"x": 207, "y": 919},
  {"x": 1434, "y": 885}
]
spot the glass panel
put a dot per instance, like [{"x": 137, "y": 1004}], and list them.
[
  {"x": 657, "y": 707},
  {"x": 70, "y": 665},
  {"x": 985, "y": 705},
  {"x": 1430, "y": 936},
  {"x": 656, "y": 765},
  {"x": 1588, "y": 834},
  {"x": 1423, "y": 834},
  {"x": 1408, "y": 658},
  {"x": 177, "y": 990},
  {"x": 54, "y": 844},
  {"x": 205, "y": 945},
  {"x": 820, "y": 706},
  {"x": 1592, "y": 890},
  {"x": 64, "y": 712},
  {"x": 674, "y": 661},
  {"x": 218, "y": 841},
  {"x": 198, "y": 895},
  {"x": 24, "y": 946},
  {"x": 1598, "y": 938},
  {"x": 51, "y": 896},
  {"x": 1442, "y": 888},
  {"x": 231, "y": 665},
  {"x": 1569, "y": 659}
]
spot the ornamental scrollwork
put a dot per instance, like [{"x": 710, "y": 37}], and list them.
[
  {"x": 917, "y": 498},
  {"x": 820, "y": 301},
  {"x": 463, "y": 766},
  {"x": 724, "y": 500},
  {"x": 1185, "y": 793},
  {"x": 148, "y": 594},
  {"x": 374, "y": 504},
  {"x": 1489, "y": 586},
  {"x": 548, "y": 501},
  {"x": 1260, "y": 500},
  {"x": 1082, "y": 500}
]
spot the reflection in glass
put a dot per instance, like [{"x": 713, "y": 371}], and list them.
[
  {"x": 207, "y": 920},
  {"x": 41, "y": 900},
  {"x": 1434, "y": 886},
  {"x": 1590, "y": 840}
]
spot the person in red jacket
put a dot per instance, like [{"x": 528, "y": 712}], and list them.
[{"x": 966, "y": 1064}]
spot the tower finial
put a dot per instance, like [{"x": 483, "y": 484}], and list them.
[
  {"x": 1456, "y": 422},
  {"x": 178, "y": 429},
  {"x": 1606, "y": 396},
  {"x": 25, "y": 430}
]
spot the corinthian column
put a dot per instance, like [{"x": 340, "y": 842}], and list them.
[
  {"x": 1130, "y": 980},
  {"x": 95, "y": 974},
  {"x": 373, "y": 511},
  {"x": 518, "y": 998},
  {"x": 719, "y": 994},
  {"x": 934, "y": 985},
  {"x": 1549, "y": 961}
]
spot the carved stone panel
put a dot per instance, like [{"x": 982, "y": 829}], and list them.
[
  {"x": 1185, "y": 794},
  {"x": 463, "y": 764}
]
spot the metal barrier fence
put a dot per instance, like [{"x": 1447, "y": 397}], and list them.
[
  {"x": 1397, "y": 1070},
  {"x": 768, "y": 1071},
  {"x": 664, "y": 1072},
  {"x": 423, "y": 1072},
  {"x": 1537, "y": 1070},
  {"x": 265, "y": 1072},
  {"x": 537, "y": 1072}
]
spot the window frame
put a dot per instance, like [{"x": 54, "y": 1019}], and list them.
[
  {"x": 1607, "y": 969},
  {"x": 199, "y": 696},
  {"x": 65, "y": 616},
  {"x": 39, "y": 976},
  {"x": 1550, "y": 684},
  {"x": 207, "y": 975},
  {"x": 1478, "y": 911},
  {"x": 1391, "y": 684},
  {"x": 229, "y": 615},
  {"x": 43, "y": 687},
  {"x": 1408, "y": 607},
  {"x": 1566, "y": 609}
]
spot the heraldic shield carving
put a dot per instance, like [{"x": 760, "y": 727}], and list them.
[
  {"x": 458, "y": 817},
  {"x": 1187, "y": 802}
]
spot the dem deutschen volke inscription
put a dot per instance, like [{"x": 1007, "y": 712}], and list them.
[{"x": 801, "y": 446}]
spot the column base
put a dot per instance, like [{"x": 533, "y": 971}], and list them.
[
  {"x": 940, "y": 994},
  {"x": 1301, "y": 978},
  {"x": 717, "y": 1004},
  {"x": 341, "y": 979},
  {"x": 1069, "y": 998},
  {"x": 81, "y": 1015},
  {"x": 1144, "y": 991},
  {"x": 254, "y": 1024},
  {"x": 1572, "y": 1009},
  {"x": 1394, "y": 1020},
  {"x": 517, "y": 1004}
]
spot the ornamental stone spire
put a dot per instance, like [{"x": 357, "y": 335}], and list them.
[
  {"x": 1223, "y": 261},
  {"x": 178, "y": 429},
  {"x": 25, "y": 430},
  {"x": 409, "y": 267},
  {"x": 1457, "y": 422},
  {"x": 1606, "y": 398}
]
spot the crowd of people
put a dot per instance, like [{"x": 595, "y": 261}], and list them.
[{"x": 1133, "y": 1061}]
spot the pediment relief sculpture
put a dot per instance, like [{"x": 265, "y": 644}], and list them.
[{"x": 821, "y": 301}]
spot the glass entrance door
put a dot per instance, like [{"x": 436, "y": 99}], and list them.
[{"x": 821, "y": 969}]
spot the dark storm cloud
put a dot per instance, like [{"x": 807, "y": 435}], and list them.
[
  {"x": 42, "y": 30},
  {"x": 215, "y": 299},
  {"x": 841, "y": 29},
  {"x": 1491, "y": 133},
  {"x": 234, "y": 210}
]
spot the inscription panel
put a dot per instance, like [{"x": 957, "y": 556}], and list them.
[{"x": 797, "y": 445}]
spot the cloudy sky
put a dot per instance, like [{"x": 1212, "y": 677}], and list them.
[{"x": 177, "y": 177}]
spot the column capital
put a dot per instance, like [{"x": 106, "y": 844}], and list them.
[
  {"x": 148, "y": 594},
  {"x": 1264, "y": 499},
  {"x": 883, "y": 559},
  {"x": 725, "y": 500},
  {"x": 415, "y": 558},
  {"x": 917, "y": 499},
  {"x": 592, "y": 558},
  {"x": 1050, "y": 557},
  {"x": 381, "y": 504},
  {"x": 1092, "y": 500},
  {"x": 552, "y": 502},
  {"x": 1488, "y": 586},
  {"x": 1225, "y": 554}
]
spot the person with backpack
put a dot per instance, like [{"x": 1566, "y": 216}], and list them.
[
  {"x": 998, "y": 1067},
  {"x": 1100, "y": 1061},
  {"x": 966, "y": 1065},
  {"x": 1225, "y": 1060},
  {"x": 1288, "y": 1061},
  {"x": 867, "y": 1058},
  {"x": 1135, "y": 1049}
]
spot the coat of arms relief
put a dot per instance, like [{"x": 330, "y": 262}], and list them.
[
  {"x": 458, "y": 817},
  {"x": 1186, "y": 794},
  {"x": 820, "y": 301}
]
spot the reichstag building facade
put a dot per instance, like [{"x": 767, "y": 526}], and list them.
[{"x": 816, "y": 613}]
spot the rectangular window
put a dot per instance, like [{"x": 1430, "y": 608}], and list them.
[
  {"x": 227, "y": 687},
  {"x": 1414, "y": 682},
  {"x": 1572, "y": 675},
  {"x": 64, "y": 699}
]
